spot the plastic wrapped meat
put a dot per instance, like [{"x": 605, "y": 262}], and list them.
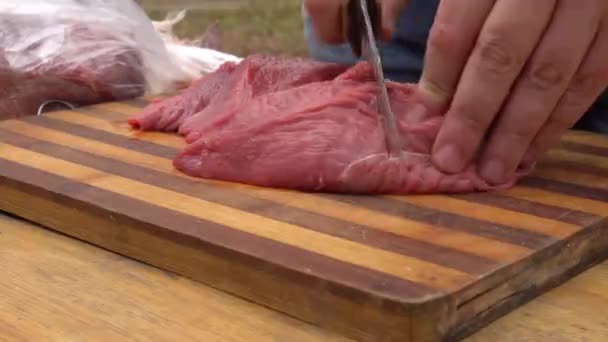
[{"x": 81, "y": 52}]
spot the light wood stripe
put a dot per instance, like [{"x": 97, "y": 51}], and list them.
[
  {"x": 586, "y": 138},
  {"x": 411, "y": 269},
  {"x": 128, "y": 110},
  {"x": 120, "y": 128},
  {"x": 91, "y": 146},
  {"x": 573, "y": 177},
  {"x": 464, "y": 242},
  {"x": 579, "y": 158},
  {"x": 559, "y": 200},
  {"x": 493, "y": 214}
]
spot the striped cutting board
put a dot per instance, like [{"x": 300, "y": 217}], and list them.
[{"x": 375, "y": 268}]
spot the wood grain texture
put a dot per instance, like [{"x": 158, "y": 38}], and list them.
[
  {"x": 388, "y": 268},
  {"x": 573, "y": 312},
  {"x": 56, "y": 288}
]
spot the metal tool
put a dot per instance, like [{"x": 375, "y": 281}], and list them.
[
  {"x": 363, "y": 20},
  {"x": 49, "y": 102}
]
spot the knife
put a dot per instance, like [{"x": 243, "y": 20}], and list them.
[{"x": 363, "y": 20}]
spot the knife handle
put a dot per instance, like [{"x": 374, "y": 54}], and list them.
[{"x": 354, "y": 24}]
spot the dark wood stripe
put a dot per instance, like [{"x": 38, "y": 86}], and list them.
[
  {"x": 566, "y": 188},
  {"x": 537, "y": 209},
  {"x": 208, "y": 236},
  {"x": 99, "y": 135},
  {"x": 587, "y": 149},
  {"x": 140, "y": 102},
  {"x": 239, "y": 200},
  {"x": 573, "y": 166},
  {"x": 487, "y": 229},
  {"x": 492, "y": 230}
]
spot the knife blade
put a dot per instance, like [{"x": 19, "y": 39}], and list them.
[{"x": 361, "y": 33}]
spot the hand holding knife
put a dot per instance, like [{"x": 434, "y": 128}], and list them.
[{"x": 363, "y": 24}]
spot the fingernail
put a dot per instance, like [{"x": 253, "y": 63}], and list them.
[
  {"x": 449, "y": 159},
  {"x": 493, "y": 171}
]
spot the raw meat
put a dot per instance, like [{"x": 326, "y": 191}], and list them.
[
  {"x": 79, "y": 51},
  {"x": 305, "y": 125},
  {"x": 103, "y": 77},
  {"x": 169, "y": 114},
  {"x": 231, "y": 86}
]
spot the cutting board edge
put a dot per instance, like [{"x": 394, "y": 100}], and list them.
[
  {"x": 385, "y": 312},
  {"x": 590, "y": 246}
]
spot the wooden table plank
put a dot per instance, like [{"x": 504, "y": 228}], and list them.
[
  {"x": 575, "y": 311},
  {"x": 409, "y": 268},
  {"x": 57, "y": 288}
]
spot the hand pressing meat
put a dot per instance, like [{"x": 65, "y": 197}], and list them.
[
  {"x": 514, "y": 75},
  {"x": 300, "y": 124},
  {"x": 519, "y": 74}
]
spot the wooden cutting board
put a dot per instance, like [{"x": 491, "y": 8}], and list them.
[{"x": 374, "y": 268}]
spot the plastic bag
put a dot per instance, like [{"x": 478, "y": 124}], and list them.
[
  {"x": 81, "y": 52},
  {"x": 196, "y": 57}
]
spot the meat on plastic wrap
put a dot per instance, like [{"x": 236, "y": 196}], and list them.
[
  {"x": 299, "y": 124},
  {"x": 79, "y": 51}
]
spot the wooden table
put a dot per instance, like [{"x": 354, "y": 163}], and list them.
[{"x": 55, "y": 288}]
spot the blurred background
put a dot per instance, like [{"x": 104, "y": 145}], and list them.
[{"x": 242, "y": 27}]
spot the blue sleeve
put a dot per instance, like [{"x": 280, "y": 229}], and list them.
[
  {"x": 596, "y": 118},
  {"x": 403, "y": 57}
]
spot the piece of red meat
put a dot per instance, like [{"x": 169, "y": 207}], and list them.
[
  {"x": 169, "y": 114},
  {"x": 320, "y": 134},
  {"x": 215, "y": 96}
]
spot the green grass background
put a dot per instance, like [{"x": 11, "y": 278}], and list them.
[{"x": 246, "y": 26}]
